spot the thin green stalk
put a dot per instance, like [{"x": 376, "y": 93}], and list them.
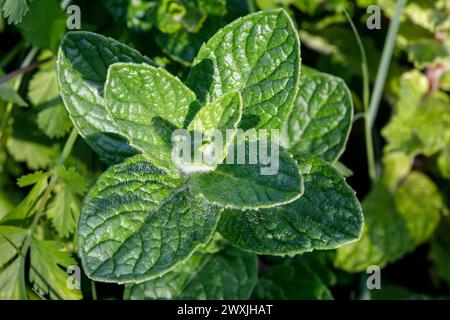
[
  {"x": 385, "y": 62},
  {"x": 48, "y": 192},
  {"x": 251, "y": 6},
  {"x": 93, "y": 290},
  {"x": 366, "y": 97}
]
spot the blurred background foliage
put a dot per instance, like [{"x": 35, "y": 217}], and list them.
[{"x": 45, "y": 171}]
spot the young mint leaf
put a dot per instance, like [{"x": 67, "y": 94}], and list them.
[
  {"x": 396, "y": 222},
  {"x": 46, "y": 273},
  {"x": 214, "y": 7},
  {"x": 321, "y": 119},
  {"x": 327, "y": 216},
  {"x": 83, "y": 62},
  {"x": 228, "y": 274},
  {"x": 222, "y": 115},
  {"x": 138, "y": 223},
  {"x": 246, "y": 187},
  {"x": 44, "y": 25},
  {"x": 258, "y": 55},
  {"x": 135, "y": 95},
  {"x": 14, "y": 10},
  {"x": 12, "y": 279}
]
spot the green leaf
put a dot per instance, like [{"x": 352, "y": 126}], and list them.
[
  {"x": 321, "y": 119},
  {"x": 246, "y": 185},
  {"x": 169, "y": 16},
  {"x": 138, "y": 223},
  {"x": 72, "y": 179},
  {"x": 14, "y": 10},
  {"x": 443, "y": 163},
  {"x": 396, "y": 222},
  {"x": 214, "y": 7},
  {"x": 224, "y": 113},
  {"x": 422, "y": 129},
  {"x": 44, "y": 25},
  {"x": 172, "y": 16},
  {"x": 9, "y": 94},
  {"x": 53, "y": 120},
  {"x": 183, "y": 46},
  {"x": 257, "y": 55},
  {"x": 82, "y": 74},
  {"x": 141, "y": 15},
  {"x": 46, "y": 273},
  {"x": 427, "y": 52},
  {"x": 212, "y": 131},
  {"x": 327, "y": 216},
  {"x": 27, "y": 208},
  {"x": 32, "y": 178},
  {"x": 11, "y": 238},
  {"x": 228, "y": 274},
  {"x": 12, "y": 280},
  {"x": 64, "y": 208},
  {"x": 136, "y": 96},
  {"x": 287, "y": 282},
  {"x": 35, "y": 154}
]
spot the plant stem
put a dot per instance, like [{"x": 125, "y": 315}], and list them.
[
  {"x": 93, "y": 290},
  {"x": 370, "y": 154},
  {"x": 385, "y": 62},
  {"x": 25, "y": 69},
  {"x": 48, "y": 192}
]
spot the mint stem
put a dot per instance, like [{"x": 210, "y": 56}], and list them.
[
  {"x": 366, "y": 97},
  {"x": 385, "y": 62}
]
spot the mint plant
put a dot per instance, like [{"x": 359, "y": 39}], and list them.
[{"x": 147, "y": 220}]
